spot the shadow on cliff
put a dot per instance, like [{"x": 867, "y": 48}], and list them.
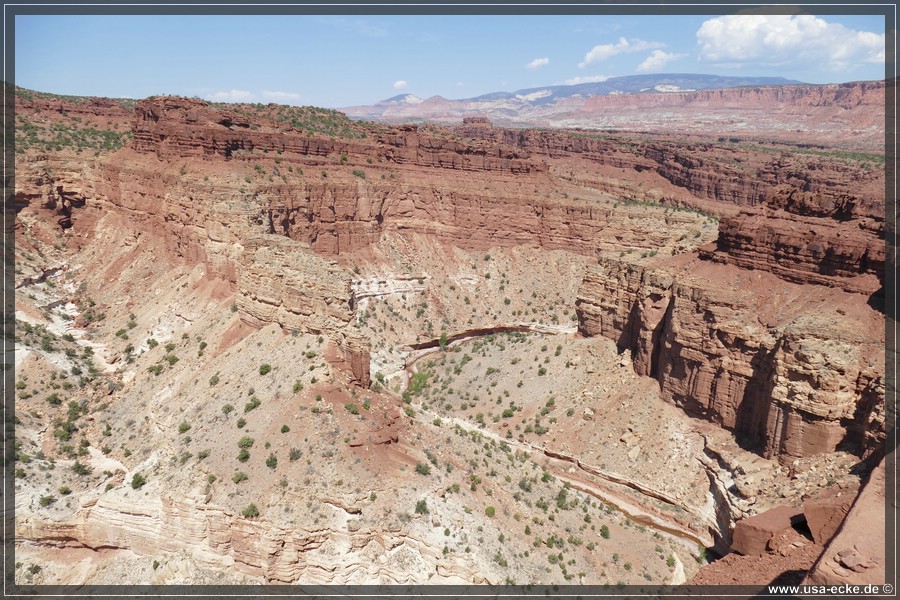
[
  {"x": 877, "y": 301},
  {"x": 755, "y": 410}
]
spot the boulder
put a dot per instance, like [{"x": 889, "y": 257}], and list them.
[{"x": 755, "y": 534}]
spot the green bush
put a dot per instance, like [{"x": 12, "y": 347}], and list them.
[
  {"x": 265, "y": 369},
  {"x": 185, "y": 426},
  {"x": 81, "y": 469},
  {"x": 243, "y": 455},
  {"x": 239, "y": 477},
  {"x": 250, "y": 511},
  {"x": 604, "y": 532},
  {"x": 421, "y": 507},
  {"x": 423, "y": 468},
  {"x": 490, "y": 511},
  {"x": 272, "y": 461},
  {"x": 138, "y": 481},
  {"x": 246, "y": 442}
]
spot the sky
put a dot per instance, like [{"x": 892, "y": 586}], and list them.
[{"x": 347, "y": 60}]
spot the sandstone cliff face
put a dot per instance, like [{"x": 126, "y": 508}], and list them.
[
  {"x": 155, "y": 526},
  {"x": 702, "y": 343},
  {"x": 282, "y": 281},
  {"x": 109, "y": 108},
  {"x": 178, "y": 127},
  {"x": 793, "y": 387},
  {"x": 735, "y": 172},
  {"x": 844, "y": 96},
  {"x": 809, "y": 234}
]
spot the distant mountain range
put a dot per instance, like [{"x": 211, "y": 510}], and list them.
[{"x": 533, "y": 106}]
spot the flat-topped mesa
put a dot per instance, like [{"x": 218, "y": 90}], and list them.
[
  {"x": 821, "y": 237},
  {"x": 804, "y": 383},
  {"x": 90, "y": 107},
  {"x": 282, "y": 281},
  {"x": 476, "y": 128},
  {"x": 180, "y": 127}
]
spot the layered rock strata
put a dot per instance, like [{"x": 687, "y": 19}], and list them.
[
  {"x": 738, "y": 172},
  {"x": 178, "y": 127},
  {"x": 798, "y": 385},
  {"x": 282, "y": 281}
]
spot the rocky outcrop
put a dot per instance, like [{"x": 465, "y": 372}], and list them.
[
  {"x": 757, "y": 534},
  {"x": 825, "y": 515},
  {"x": 283, "y": 281},
  {"x": 856, "y": 554},
  {"x": 800, "y": 384},
  {"x": 803, "y": 249},
  {"x": 172, "y": 127},
  {"x": 217, "y": 538},
  {"x": 730, "y": 171},
  {"x": 118, "y": 109},
  {"x": 845, "y": 96}
]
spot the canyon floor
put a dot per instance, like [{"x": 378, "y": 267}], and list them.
[{"x": 262, "y": 344}]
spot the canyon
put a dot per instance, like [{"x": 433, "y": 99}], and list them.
[{"x": 268, "y": 344}]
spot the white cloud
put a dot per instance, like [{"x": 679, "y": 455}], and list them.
[
  {"x": 787, "y": 39},
  {"x": 604, "y": 51},
  {"x": 538, "y": 63},
  {"x": 587, "y": 79},
  {"x": 232, "y": 96},
  {"x": 400, "y": 84},
  {"x": 657, "y": 61},
  {"x": 280, "y": 96}
]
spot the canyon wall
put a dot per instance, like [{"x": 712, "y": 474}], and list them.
[
  {"x": 209, "y": 182},
  {"x": 828, "y": 239},
  {"x": 790, "y": 381},
  {"x": 735, "y": 172},
  {"x": 178, "y": 127},
  {"x": 794, "y": 98},
  {"x": 282, "y": 281}
]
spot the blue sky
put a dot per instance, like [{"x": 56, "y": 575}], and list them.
[{"x": 345, "y": 60}]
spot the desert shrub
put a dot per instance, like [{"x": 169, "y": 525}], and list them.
[{"x": 81, "y": 469}]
